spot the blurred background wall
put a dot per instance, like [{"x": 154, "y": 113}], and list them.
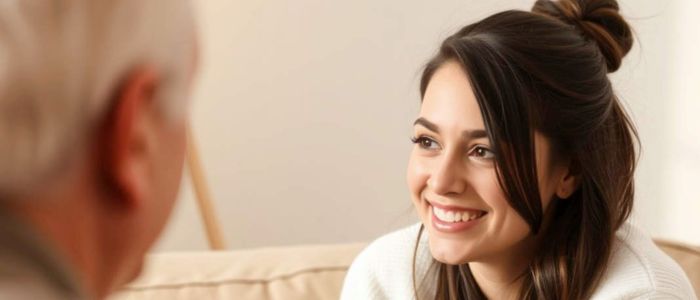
[{"x": 303, "y": 114}]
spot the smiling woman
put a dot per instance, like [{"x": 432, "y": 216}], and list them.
[
  {"x": 452, "y": 173},
  {"x": 522, "y": 170}
]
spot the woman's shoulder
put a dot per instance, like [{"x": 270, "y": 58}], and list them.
[
  {"x": 384, "y": 269},
  {"x": 639, "y": 269},
  {"x": 394, "y": 244}
]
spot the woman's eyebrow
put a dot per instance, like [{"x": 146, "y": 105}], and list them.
[
  {"x": 467, "y": 134},
  {"x": 427, "y": 124},
  {"x": 474, "y": 134}
]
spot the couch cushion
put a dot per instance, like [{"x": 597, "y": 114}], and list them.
[{"x": 300, "y": 272}]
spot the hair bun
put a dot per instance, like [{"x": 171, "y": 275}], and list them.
[{"x": 598, "y": 20}]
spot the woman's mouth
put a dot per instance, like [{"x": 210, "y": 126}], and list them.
[{"x": 453, "y": 219}]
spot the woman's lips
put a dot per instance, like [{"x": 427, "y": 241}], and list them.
[{"x": 451, "y": 219}]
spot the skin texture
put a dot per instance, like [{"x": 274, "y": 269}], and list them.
[
  {"x": 106, "y": 209},
  {"x": 452, "y": 165}
]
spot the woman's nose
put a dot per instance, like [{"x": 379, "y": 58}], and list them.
[{"x": 448, "y": 176}]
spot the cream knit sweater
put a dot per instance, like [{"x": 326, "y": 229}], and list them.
[{"x": 637, "y": 270}]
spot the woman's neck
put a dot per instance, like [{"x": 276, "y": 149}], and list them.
[
  {"x": 496, "y": 285},
  {"x": 501, "y": 276}
]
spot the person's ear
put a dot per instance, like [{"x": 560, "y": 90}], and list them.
[
  {"x": 569, "y": 182},
  {"x": 124, "y": 138}
]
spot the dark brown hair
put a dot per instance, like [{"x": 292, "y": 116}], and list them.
[{"x": 546, "y": 71}]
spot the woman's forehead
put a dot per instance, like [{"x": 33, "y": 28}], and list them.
[{"x": 449, "y": 100}]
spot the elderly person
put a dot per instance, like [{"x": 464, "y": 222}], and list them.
[{"x": 93, "y": 112}]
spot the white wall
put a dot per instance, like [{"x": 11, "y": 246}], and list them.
[
  {"x": 659, "y": 82},
  {"x": 681, "y": 174},
  {"x": 303, "y": 113}
]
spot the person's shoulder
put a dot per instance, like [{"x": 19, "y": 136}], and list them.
[
  {"x": 384, "y": 267},
  {"x": 639, "y": 269},
  {"x": 391, "y": 251},
  {"x": 399, "y": 243}
]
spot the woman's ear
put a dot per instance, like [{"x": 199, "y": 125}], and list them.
[{"x": 569, "y": 182}]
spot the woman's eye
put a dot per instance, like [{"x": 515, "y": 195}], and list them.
[
  {"x": 482, "y": 153},
  {"x": 425, "y": 143}
]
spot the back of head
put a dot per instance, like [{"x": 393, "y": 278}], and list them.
[
  {"x": 60, "y": 61},
  {"x": 547, "y": 71},
  {"x": 598, "y": 21}
]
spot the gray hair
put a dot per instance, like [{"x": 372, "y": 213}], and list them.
[{"x": 61, "y": 60}]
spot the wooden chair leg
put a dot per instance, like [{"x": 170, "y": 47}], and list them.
[{"x": 203, "y": 197}]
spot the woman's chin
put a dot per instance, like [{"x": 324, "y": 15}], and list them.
[{"x": 450, "y": 252}]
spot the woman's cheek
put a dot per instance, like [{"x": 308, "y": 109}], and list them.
[{"x": 417, "y": 176}]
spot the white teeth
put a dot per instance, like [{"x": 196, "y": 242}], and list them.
[
  {"x": 453, "y": 217},
  {"x": 450, "y": 217},
  {"x": 439, "y": 213}
]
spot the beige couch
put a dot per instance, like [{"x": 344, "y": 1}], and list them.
[{"x": 289, "y": 273}]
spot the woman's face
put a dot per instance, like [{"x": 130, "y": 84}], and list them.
[{"x": 453, "y": 182}]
